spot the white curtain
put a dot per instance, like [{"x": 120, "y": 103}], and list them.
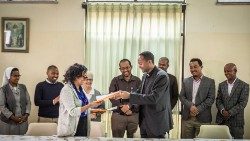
[{"x": 117, "y": 31}]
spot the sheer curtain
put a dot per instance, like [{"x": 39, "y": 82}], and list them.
[{"x": 116, "y": 31}]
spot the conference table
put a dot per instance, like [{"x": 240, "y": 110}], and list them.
[{"x": 55, "y": 138}]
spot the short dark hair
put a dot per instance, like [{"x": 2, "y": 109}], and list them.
[
  {"x": 196, "y": 59},
  {"x": 14, "y": 69},
  {"x": 231, "y": 65},
  {"x": 147, "y": 55},
  {"x": 51, "y": 67},
  {"x": 164, "y": 58},
  {"x": 125, "y": 60},
  {"x": 74, "y": 71}
]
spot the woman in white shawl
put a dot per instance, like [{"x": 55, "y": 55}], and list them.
[
  {"x": 74, "y": 105},
  {"x": 14, "y": 104}
]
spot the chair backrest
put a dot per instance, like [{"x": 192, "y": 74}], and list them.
[
  {"x": 214, "y": 132},
  {"x": 42, "y": 129}
]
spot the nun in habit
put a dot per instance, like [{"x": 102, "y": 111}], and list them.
[{"x": 14, "y": 104}]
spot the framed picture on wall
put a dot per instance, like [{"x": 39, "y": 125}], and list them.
[{"x": 15, "y": 34}]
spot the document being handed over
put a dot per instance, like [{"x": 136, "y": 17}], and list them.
[{"x": 104, "y": 97}]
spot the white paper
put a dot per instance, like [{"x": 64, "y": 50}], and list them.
[
  {"x": 104, "y": 97},
  {"x": 112, "y": 108}
]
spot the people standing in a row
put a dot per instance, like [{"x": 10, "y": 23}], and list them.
[
  {"x": 125, "y": 117},
  {"x": 197, "y": 97},
  {"x": 232, "y": 98},
  {"x": 15, "y": 104},
  {"x": 47, "y": 96}
]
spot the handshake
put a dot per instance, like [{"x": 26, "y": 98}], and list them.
[
  {"x": 114, "y": 95},
  {"x": 120, "y": 95}
]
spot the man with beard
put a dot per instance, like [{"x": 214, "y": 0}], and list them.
[
  {"x": 47, "y": 96},
  {"x": 231, "y": 101},
  {"x": 197, "y": 96},
  {"x": 125, "y": 117}
]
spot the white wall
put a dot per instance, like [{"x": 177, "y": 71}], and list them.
[
  {"x": 219, "y": 34},
  {"x": 56, "y": 37},
  {"x": 216, "y": 34}
]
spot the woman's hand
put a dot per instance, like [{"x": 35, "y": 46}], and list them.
[
  {"x": 95, "y": 103},
  {"x": 98, "y": 111},
  {"x": 91, "y": 105}
]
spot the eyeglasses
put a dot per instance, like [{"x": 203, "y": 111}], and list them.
[
  {"x": 84, "y": 76},
  {"x": 125, "y": 68},
  {"x": 18, "y": 75}
]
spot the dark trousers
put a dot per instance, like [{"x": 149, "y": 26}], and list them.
[
  {"x": 82, "y": 127},
  {"x": 120, "y": 123},
  {"x": 145, "y": 132},
  {"x": 237, "y": 132}
]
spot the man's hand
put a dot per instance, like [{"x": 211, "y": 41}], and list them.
[
  {"x": 16, "y": 119},
  {"x": 194, "y": 111},
  {"x": 129, "y": 112},
  {"x": 124, "y": 108},
  {"x": 24, "y": 118},
  {"x": 121, "y": 95},
  {"x": 225, "y": 113},
  {"x": 56, "y": 100}
]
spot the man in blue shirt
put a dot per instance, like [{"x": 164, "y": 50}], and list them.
[{"x": 47, "y": 96}]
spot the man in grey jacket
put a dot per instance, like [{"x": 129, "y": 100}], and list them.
[
  {"x": 231, "y": 101},
  {"x": 197, "y": 96}
]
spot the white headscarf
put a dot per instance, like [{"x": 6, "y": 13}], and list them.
[{"x": 6, "y": 75}]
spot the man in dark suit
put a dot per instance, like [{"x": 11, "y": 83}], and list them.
[
  {"x": 231, "y": 100},
  {"x": 197, "y": 96},
  {"x": 155, "y": 118},
  {"x": 173, "y": 87}
]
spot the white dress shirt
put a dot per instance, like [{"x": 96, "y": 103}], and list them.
[
  {"x": 230, "y": 86},
  {"x": 196, "y": 84}
]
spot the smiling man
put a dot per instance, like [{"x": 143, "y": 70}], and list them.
[
  {"x": 197, "y": 96},
  {"x": 125, "y": 117},
  {"x": 47, "y": 96},
  {"x": 231, "y": 101}
]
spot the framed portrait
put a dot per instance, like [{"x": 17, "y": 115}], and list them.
[{"x": 15, "y": 34}]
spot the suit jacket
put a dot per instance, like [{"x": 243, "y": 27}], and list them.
[
  {"x": 235, "y": 103},
  {"x": 154, "y": 103},
  {"x": 203, "y": 101},
  {"x": 173, "y": 88}
]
